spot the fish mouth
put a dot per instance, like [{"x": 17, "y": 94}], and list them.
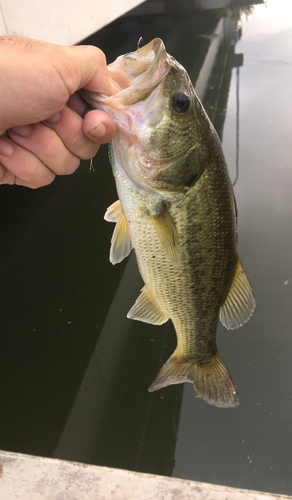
[{"x": 133, "y": 77}]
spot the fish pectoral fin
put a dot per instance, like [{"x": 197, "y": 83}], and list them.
[
  {"x": 113, "y": 212},
  {"x": 167, "y": 234},
  {"x": 240, "y": 301},
  {"x": 147, "y": 310},
  {"x": 211, "y": 380},
  {"x": 121, "y": 244}
]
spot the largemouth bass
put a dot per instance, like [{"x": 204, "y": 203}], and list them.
[{"x": 177, "y": 210}]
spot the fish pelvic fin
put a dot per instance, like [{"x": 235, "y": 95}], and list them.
[
  {"x": 121, "y": 244},
  {"x": 240, "y": 301},
  {"x": 113, "y": 212},
  {"x": 211, "y": 379},
  {"x": 147, "y": 310}
]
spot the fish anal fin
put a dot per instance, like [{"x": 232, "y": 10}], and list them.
[
  {"x": 167, "y": 234},
  {"x": 113, "y": 212},
  {"x": 211, "y": 379},
  {"x": 121, "y": 244},
  {"x": 146, "y": 309},
  {"x": 240, "y": 301}
]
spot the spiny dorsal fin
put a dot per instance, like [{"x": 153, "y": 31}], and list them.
[
  {"x": 167, "y": 234},
  {"x": 211, "y": 380},
  {"x": 146, "y": 309},
  {"x": 121, "y": 244},
  {"x": 113, "y": 212},
  {"x": 240, "y": 302}
]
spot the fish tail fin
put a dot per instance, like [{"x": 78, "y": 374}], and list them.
[{"x": 211, "y": 379}]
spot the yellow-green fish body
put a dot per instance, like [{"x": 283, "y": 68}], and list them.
[{"x": 177, "y": 210}]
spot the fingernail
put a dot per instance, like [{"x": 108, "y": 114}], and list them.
[
  {"x": 6, "y": 148},
  {"x": 24, "y": 130},
  {"x": 54, "y": 118},
  {"x": 99, "y": 131}
]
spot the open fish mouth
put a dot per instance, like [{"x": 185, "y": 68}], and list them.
[{"x": 133, "y": 76}]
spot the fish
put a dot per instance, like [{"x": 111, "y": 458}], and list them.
[{"x": 176, "y": 208}]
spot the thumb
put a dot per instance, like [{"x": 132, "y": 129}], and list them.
[{"x": 92, "y": 71}]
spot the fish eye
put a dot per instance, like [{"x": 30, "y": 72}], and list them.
[{"x": 180, "y": 102}]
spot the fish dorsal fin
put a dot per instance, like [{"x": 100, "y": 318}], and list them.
[
  {"x": 167, "y": 234},
  {"x": 113, "y": 212},
  {"x": 147, "y": 310},
  {"x": 121, "y": 244},
  {"x": 240, "y": 302}
]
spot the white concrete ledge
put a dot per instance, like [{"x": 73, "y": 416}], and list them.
[
  {"x": 64, "y": 22},
  {"x": 35, "y": 478}
]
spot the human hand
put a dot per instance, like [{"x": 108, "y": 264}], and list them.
[{"x": 45, "y": 122}]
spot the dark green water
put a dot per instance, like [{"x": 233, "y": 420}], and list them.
[{"x": 74, "y": 371}]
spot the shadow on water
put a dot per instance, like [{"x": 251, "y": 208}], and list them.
[{"x": 74, "y": 371}]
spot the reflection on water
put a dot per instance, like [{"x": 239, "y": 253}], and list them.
[{"x": 74, "y": 371}]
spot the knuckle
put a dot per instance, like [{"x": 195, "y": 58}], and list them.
[
  {"x": 75, "y": 164},
  {"x": 41, "y": 180},
  {"x": 89, "y": 152},
  {"x": 71, "y": 166},
  {"x": 6, "y": 177},
  {"x": 102, "y": 56},
  {"x": 36, "y": 174},
  {"x": 47, "y": 179},
  {"x": 30, "y": 170},
  {"x": 82, "y": 146},
  {"x": 74, "y": 138},
  {"x": 51, "y": 149},
  {"x": 97, "y": 53}
]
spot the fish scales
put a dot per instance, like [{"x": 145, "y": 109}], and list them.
[
  {"x": 207, "y": 260},
  {"x": 177, "y": 210}
]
